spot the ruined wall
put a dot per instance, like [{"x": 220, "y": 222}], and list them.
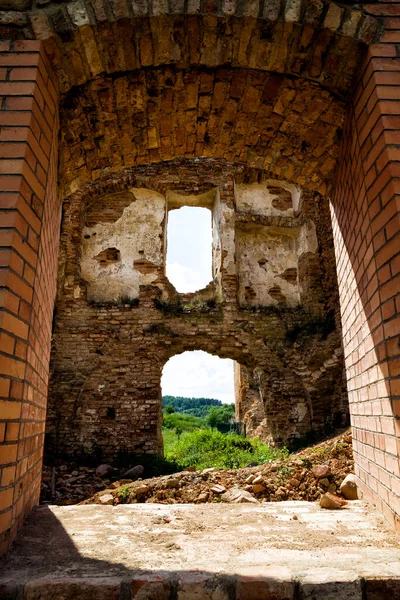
[{"x": 119, "y": 319}]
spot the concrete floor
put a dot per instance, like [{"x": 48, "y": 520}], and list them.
[{"x": 212, "y": 551}]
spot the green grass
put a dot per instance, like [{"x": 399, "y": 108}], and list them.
[
  {"x": 204, "y": 448},
  {"x": 179, "y": 421}
]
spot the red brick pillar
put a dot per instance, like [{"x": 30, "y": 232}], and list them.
[
  {"x": 366, "y": 221},
  {"x": 29, "y": 233}
]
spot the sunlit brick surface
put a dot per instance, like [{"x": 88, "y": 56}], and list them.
[
  {"x": 366, "y": 227},
  {"x": 29, "y": 231}
]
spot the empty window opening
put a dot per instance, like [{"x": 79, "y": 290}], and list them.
[{"x": 189, "y": 248}]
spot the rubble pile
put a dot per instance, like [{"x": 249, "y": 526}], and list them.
[{"x": 306, "y": 475}]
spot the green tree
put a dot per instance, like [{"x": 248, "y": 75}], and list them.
[
  {"x": 169, "y": 409},
  {"x": 178, "y": 430},
  {"x": 213, "y": 417},
  {"x": 226, "y": 413}
]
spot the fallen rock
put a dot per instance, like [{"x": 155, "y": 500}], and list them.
[
  {"x": 331, "y": 502},
  {"x": 237, "y": 496},
  {"x": 348, "y": 487},
  {"x": 172, "y": 483},
  {"x": 218, "y": 489},
  {"x": 294, "y": 482},
  {"x": 134, "y": 473},
  {"x": 104, "y": 470},
  {"x": 258, "y": 488},
  {"x": 320, "y": 471},
  {"x": 258, "y": 479},
  {"x": 203, "y": 497},
  {"x": 141, "y": 489},
  {"x": 106, "y": 499}
]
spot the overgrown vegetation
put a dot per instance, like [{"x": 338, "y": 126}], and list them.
[
  {"x": 205, "y": 448},
  {"x": 182, "y": 422},
  {"x": 178, "y": 307},
  {"x": 123, "y": 493},
  {"x": 191, "y": 441}
]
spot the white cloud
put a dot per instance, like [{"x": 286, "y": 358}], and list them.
[
  {"x": 199, "y": 375},
  {"x": 189, "y": 261},
  {"x": 186, "y": 279}
]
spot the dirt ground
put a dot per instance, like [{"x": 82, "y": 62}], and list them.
[{"x": 292, "y": 478}]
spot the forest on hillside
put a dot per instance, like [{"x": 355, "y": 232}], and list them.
[{"x": 197, "y": 407}]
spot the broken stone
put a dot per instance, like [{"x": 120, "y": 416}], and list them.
[
  {"x": 104, "y": 470},
  {"x": 258, "y": 488},
  {"x": 237, "y": 496},
  {"x": 106, "y": 499},
  {"x": 172, "y": 483},
  {"x": 218, "y": 489},
  {"x": 258, "y": 479},
  {"x": 294, "y": 482},
  {"x": 348, "y": 487},
  {"x": 324, "y": 482},
  {"x": 332, "y": 488},
  {"x": 331, "y": 502},
  {"x": 320, "y": 471},
  {"x": 134, "y": 473},
  {"x": 141, "y": 489}
]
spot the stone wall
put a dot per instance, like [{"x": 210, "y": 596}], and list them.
[{"x": 119, "y": 319}]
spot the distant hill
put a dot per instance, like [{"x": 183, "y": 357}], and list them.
[{"x": 197, "y": 407}]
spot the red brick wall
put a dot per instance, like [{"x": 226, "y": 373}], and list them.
[
  {"x": 29, "y": 232},
  {"x": 366, "y": 222}
]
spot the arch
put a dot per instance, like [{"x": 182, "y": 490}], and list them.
[
  {"x": 288, "y": 127},
  {"x": 84, "y": 40},
  {"x": 189, "y": 365},
  {"x": 310, "y": 44}
]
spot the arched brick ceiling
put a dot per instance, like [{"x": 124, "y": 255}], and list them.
[
  {"x": 258, "y": 82},
  {"x": 287, "y": 126},
  {"x": 315, "y": 39}
]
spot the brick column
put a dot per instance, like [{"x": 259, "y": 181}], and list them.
[
  {"x": 29, "y": 233},
  {"x": 366, "y": 222}
]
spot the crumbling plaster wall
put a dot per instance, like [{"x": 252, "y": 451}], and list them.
[
  {"x": 137, "y": 237},
  {"x": 110, "y": 354}
]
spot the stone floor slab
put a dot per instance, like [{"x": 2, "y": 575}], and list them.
[{"x": 270, "y": 551}]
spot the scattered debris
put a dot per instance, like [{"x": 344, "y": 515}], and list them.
[{"x": 317, "y": 471}]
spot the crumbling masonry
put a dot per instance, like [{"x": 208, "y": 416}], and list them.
[
  {"x": 272, "y": 114},
  {"x": 271, "y": 307}
]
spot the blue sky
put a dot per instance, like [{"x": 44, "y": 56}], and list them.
[{"x": 193, "y": 374}]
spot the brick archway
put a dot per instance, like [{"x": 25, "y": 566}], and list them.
[{"x": 364, "y": 199}]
